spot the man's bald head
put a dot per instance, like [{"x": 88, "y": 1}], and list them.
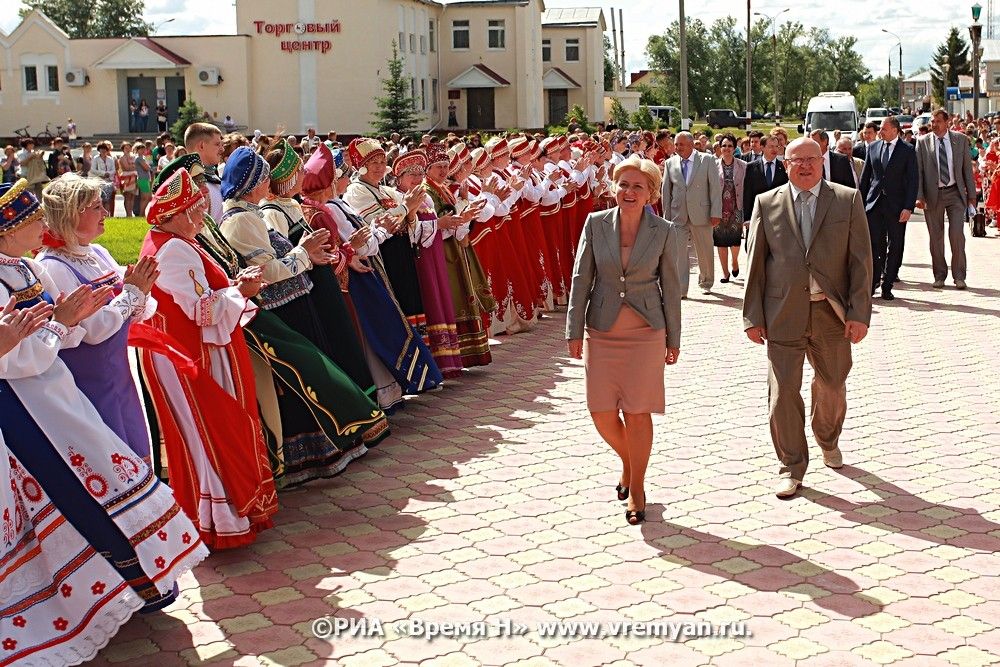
[
  {"x": 804, "y": 163},
  {"x": 684, "y": 144}
]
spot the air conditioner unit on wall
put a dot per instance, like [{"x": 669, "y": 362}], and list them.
[
  {"x": 209, "y": 76},
  {"x": 75, "y": 76}
]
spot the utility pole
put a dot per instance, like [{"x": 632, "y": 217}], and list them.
[
  {"x": 976, "y": 31},
  {"x": 749, "y": 73},
  {"x": 685, "y": 121},
  {"x": 774, "y": 46},
  {"x": 614, "y": 37}
]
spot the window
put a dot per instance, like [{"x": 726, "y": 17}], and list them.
[
  {"x": 31, "y": 79},
  {"x": 996, "y": 80},
  {"x": 402, "y": 41},
  {"x": 434, "y": 95},
  {"x": 413, "y": 43},
  {"x": 496, "y": 39},
  {"x": 413, "y": 93},
  {"x": 572, "y": 50},
  {"x": 459, "y": 34},
  {"x": 546, "y": 50},
  {"x": 432, "y": 35},
  {"x": 423, "y": 94},
  {"x": 53, "y": 75},
  {"x": 423, "y": 43}
]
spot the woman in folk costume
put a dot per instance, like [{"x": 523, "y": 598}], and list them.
[
  {"x": 398, "y": 246},
  {"x": 550, "y": 213},
  {"x": 199, "y": 375},
  {"x": 432, "y": 267},
  {"x": 508, "y": 280},
  {"x": 283, "y": 214},
  {"x": 536, "y": 188},
  {"x": 75, "y": 217},
  {"x": 470, "y": 290},
  {"x": 396, "y": 354},
  {"x": 562, "y": 178},
  {"x": 44, "y": 559},
  {"x": 314, "y": 401},
  {"x": 64, "y": 603},
  {"x": 525, "y": 250}
]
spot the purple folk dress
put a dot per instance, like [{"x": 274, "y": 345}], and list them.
[{"x": 100, "y": 363}]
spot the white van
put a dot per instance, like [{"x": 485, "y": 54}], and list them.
[
  {"x": 668, "y": 116},
  {"x": 832, "y": 111}
]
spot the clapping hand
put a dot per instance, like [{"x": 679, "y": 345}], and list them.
[
  {"x": 358, "y": 264},
  {"x": 413, "y": 199},
  {"x": 317, "y": 245},
  {"x": 16, "y": 325},
  {"x": 143, "y": 273},
  {"x": 249, "y": 281},
  {"x": 360, "y": 237},
  {"x": 79, "y": 304}
]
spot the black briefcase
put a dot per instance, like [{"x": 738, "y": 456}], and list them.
[{"x": 979, "y": 224}]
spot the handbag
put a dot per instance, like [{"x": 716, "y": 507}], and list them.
[{"x": 978, "y": 222}]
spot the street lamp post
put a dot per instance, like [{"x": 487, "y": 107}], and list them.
[
  {"x": 976, "y": 31},
  {"x": 159, "y": 25},
  {"x": 774, "y": 45},
  {"x": 899, "y": 41},
  {"x": 685, "y": 121}
]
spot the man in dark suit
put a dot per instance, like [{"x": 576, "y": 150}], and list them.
[
  {"x": 889, "y": 186},
  {"x": 836, "y": 167},
  {"x": 756, "y": 149},
  {"x": 869, "y": 133},
  {"x": 762, "y": 175}
]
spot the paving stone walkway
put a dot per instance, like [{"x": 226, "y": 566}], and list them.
[{"x": 494, "y": 501}]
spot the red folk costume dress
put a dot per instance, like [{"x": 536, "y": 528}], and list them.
[
  {"x": 218, "y": 459},
  {"x": 485, "y": 243}
]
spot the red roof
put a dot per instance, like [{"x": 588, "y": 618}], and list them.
[
  {"x": 161, "y": 50},
  {"x": 493, "y": 75}
]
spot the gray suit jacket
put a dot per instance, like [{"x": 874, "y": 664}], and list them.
[
  {"x": 839, "y": 258},
  {"x": 650, "y": 284},
  {"x": 695, "y": 202},
  {"x": 927, "y": 166}
]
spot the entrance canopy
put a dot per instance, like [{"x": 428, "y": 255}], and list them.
[
  {"x": 478, "y": 76},
  {"x": 141, "y": 53},
  {"x": 556, "y": 79}
]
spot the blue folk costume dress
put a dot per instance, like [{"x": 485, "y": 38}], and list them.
[
  {"x": 389, "y": 334},
  {"x": 288, "y": 295},
  {"x": 71, "y": 478}
]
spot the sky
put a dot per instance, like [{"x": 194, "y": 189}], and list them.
[{"x": 862, "y": 18}]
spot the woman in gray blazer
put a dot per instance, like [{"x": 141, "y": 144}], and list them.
[{"x": 626, "y": 296}]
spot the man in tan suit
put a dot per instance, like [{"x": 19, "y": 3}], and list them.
[
  {"x": 808, "y": 294},
  {"x": 692, "y": 199}
]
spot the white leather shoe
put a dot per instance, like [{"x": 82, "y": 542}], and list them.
[
  {"x": 833, "y": 459},
  {"x": 787, "y": 487}
]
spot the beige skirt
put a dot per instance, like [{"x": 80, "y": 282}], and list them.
[{"x": 624, "y": 366}]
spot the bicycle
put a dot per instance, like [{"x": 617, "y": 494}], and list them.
[
  {"x": 46, "y": 136},
  {"x": 22, "y": 133}
]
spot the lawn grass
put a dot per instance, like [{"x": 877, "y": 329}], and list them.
[{"x": 123, "y": 238}]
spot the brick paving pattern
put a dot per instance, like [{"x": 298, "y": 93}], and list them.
[{"x": 494, "y": 499}]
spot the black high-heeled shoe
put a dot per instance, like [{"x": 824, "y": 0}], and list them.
[
  {"x": 736, "y": 272},
  {"x": 622, "y": 492},
  {"x": 635, "y": 517}
]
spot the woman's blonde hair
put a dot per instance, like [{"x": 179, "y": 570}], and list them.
[
  {"x": 647, "y": 168},
  {"x": 63, "y": 200}
]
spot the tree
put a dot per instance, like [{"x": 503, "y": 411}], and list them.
[
  {"x": 578, "y": 116},
  {"x": 397, "y": 110},
  {"x": 618, "y": 115},
  {"x": 611, "y": 71},
  {"x": 643, "y": 119},
  {"x": 952, "y": 57},
  {"x": 879, "y": 92},
  {"x": 651, "y": 96},
  {"x": 188, "y": 113},
  {"x": 98, "y": 18}
]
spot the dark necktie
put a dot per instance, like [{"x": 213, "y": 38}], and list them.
[
  {"x": 769, "y": 173},
  {"x": 886, "y": 152},
  {"x": 943, "y": 171}
]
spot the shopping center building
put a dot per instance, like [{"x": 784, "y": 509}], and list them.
[{"x": 487, "y": 64}]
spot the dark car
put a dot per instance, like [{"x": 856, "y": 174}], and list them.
[
  {"x": 754, "y": 115},
  {"x": 719, "y": 118}
]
